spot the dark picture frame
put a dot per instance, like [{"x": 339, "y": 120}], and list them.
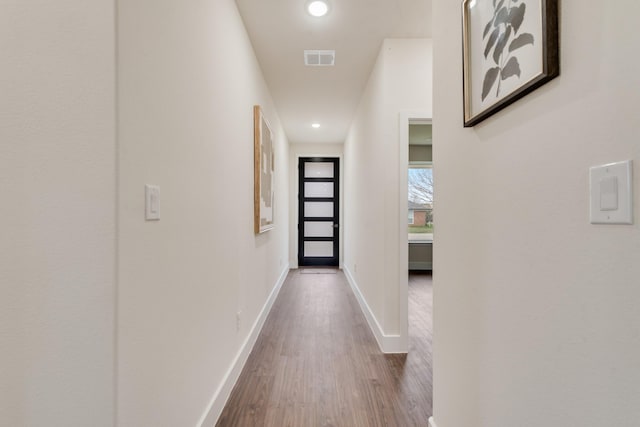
[
  {"x": 510, "y": 48},
  {"x": 264, "y": 170}
]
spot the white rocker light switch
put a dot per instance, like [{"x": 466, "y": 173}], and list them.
[{"x": 611, "y": 193}]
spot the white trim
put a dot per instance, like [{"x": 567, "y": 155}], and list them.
[
  {"x": 220, "y": 397},
  {"x": 387, "y": 343},
  {"x": 293, "y": 186},
  {"x": 432, "y": 422}
]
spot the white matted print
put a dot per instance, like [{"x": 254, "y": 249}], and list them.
[{"x": 510, "y": 48}]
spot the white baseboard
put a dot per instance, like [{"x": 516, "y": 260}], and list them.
[
  {"x": 432, "y": 423},
  {"x": 387, "y": 343},
  {"x": 223, "y": 392}
]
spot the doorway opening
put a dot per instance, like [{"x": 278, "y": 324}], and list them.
[
  {"x": 416, "y": 222},
  {"x": 318, "y": 211},
  {"x": 416, "y": 228},
  {"x": 420, "y": 196}
]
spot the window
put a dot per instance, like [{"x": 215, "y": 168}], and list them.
[{"x": 420, "y": 201}]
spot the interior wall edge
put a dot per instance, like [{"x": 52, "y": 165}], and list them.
[{"x": 388, "y": 343}]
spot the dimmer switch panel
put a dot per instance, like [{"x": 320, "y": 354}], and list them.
[{"x": 611, "y": 193}]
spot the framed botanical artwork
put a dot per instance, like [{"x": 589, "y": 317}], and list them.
[
  {"x": 510, "y": 48},
  {"x": 263, "y": 197}
]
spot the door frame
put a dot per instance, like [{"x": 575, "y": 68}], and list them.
[
  {"x": 337, "y": 238},
  {"x": 310, "y": 150},
  {"x": 406, "y": 118}
]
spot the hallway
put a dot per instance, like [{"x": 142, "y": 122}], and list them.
[{"x": 316, "y": 362}]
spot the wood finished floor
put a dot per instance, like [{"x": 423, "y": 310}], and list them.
[{"x": 317, "y": 364}]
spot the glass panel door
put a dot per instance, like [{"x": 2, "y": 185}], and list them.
[{"x": 318, "y": 213}]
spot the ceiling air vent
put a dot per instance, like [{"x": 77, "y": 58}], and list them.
[{"x": 319, "y": 58}]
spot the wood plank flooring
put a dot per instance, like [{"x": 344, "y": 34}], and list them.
[{"x": 317, "y": 364}]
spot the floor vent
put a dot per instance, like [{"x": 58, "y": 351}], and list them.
[{"x": 320, "y": 58}]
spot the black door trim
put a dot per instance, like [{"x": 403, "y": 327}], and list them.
[{"x": 319, "y": 261}]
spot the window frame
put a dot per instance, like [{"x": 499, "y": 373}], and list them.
[{"x": 418, "y": 165}]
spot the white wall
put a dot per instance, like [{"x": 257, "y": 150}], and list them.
[
  {"x": 57, "y": 188},
  {"x": 536, "y": 317},
  {"x": 188, "y": 80},
  {"x": 310, "y": 150},
  {"x": 400, "y": 81}
]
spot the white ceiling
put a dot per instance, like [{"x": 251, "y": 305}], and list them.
[{"x": 280, "y": 30}]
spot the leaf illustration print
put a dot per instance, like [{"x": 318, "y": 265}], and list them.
[{"x": 502, "y": 42}]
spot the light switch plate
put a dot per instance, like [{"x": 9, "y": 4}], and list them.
[
  {"x": 152, "y": 202},
  {"x": 610, "y": 186}
]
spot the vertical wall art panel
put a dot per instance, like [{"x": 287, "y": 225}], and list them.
[{"x": 263, "y": 173}]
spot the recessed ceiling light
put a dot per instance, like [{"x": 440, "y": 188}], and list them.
[
  {"x": 318, "y": 8},
  {"x": 315, "y": 125}
]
